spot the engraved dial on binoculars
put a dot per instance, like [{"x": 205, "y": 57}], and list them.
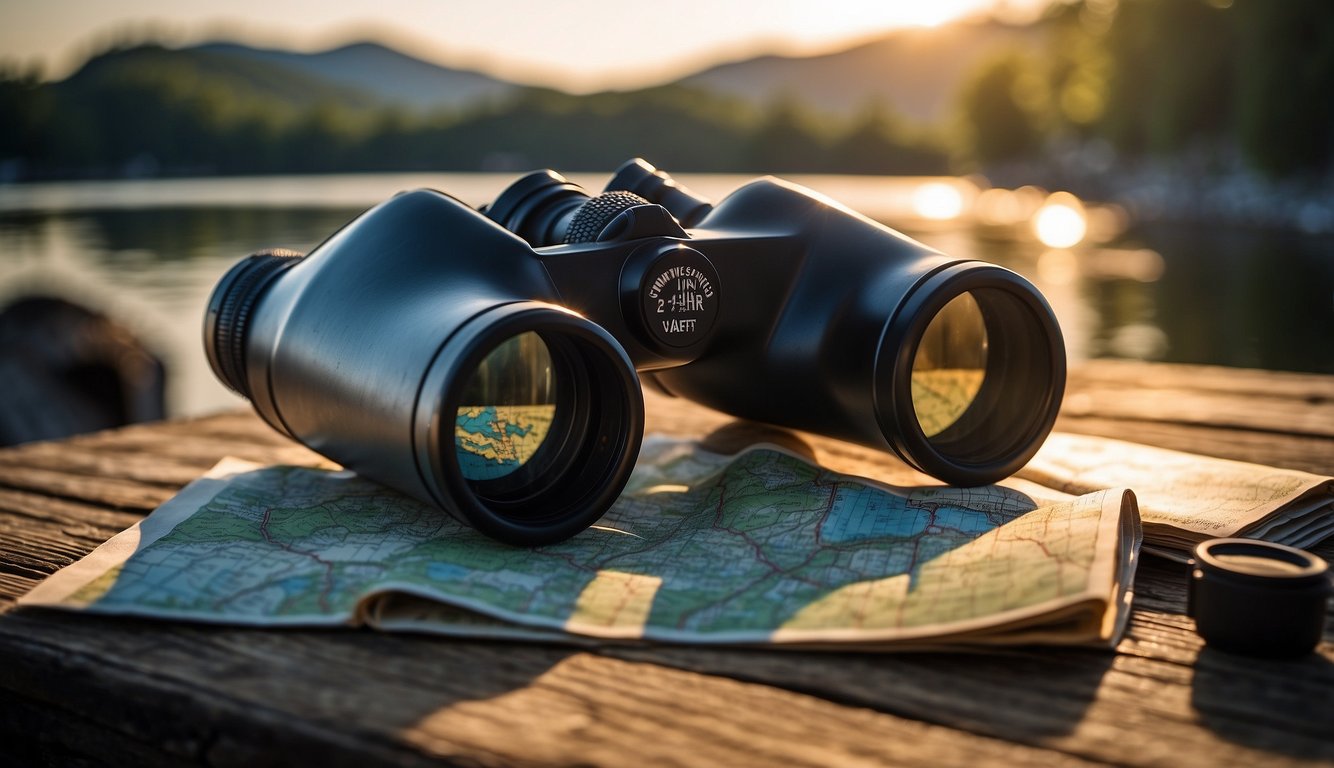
[{"x": 680, "y": 298}]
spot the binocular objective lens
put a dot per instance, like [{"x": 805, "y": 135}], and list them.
[
  {"x": 506, "y": 410},
  {"x": 547, "y": 418},
  {"x": 950, "y": 365}
]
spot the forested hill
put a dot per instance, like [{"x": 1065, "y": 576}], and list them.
[
  {"x": 224, "y": 72},
  {"x": 389, "y": 77},
  {"x": 225, "y": 108},
  {"x": 916, "y": 71},
  {"x": 1225, "y": 82}
]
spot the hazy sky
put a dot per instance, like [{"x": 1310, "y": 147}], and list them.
[{"x": 574, "y": 45}]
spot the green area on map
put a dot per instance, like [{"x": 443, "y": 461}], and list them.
[{"x": 699, "y": 545}]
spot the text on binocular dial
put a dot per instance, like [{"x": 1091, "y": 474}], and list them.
[
  {"x": 678, "y": 326},
  {"x": 686, "y": 278}
]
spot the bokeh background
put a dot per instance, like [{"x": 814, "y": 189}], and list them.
[{"x": 1162, "y": 169}]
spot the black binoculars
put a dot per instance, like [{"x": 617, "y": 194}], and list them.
[{"x": 489, "y": 362}]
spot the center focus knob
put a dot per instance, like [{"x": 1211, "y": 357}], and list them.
[{"x": 595, "y": 214}]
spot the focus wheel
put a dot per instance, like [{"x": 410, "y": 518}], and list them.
[
  {"x": 595, "y": 214},
  {"x": 235, "y": 300}
]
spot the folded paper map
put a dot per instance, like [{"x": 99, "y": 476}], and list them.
[
  {"x": 757, "y": 547},
  {"x": 1185, "y": 499}
]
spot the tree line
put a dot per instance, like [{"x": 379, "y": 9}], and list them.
[
  {"x": 1146, "y": 77},
  {"x": 1151, "y": 78},
  {"x": 169, "y": 120}
]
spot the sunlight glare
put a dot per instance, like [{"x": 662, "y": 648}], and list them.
[
  {"x": 609, "y": 529},
  {"x": 1060, "y": 222},
  {"x": 998, "y": 207},
  {"x": 831, "y": 19},
  {"x": 667, "y": 488},
  {"x": 937, "y": 200},
  {"x": 1058, "y": 267},
  {"x": 1139, "y": 341}
]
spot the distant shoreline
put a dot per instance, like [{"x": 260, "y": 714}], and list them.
[
  {"x": 1189, "y": 188},
  {"x": 1168, "y": 190}
]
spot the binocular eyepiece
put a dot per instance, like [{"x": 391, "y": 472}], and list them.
[{"x": 489, "y": 362}]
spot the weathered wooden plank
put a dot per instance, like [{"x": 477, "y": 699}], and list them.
[
  {"x": 115, "y": 492},
  {"x": 1138, "y": 376},
  {"x": 158, "y": 468},
  {"x": 39, "y": 549},
  {"x": 233, "y": 423},
  {"x": 1310, "y": 454},
  {"x": 189, "y": 694},
  {"x": 356, "y": 698},
  {"x": 38, "y": 506},
  {"x": 13, "y": 586},
  {"x": 257, "y": 443},
  {"x": 1133, "y": 708},
  {"x": 1185, "y": 406}
]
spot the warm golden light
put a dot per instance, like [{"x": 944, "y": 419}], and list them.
[
  {"x": 667, "y": 488},
  {"x": 937, "y": 200},
  {"x": 831, "y": 19},
  {"x": 998, "y": 207},
  {"x": 1138, "y": 341},
  {"x": 533, "y": 42},
  {"x": 1058, "y": 267},
  {"x": 1060, "y": 222},
  {"x": 950, "y": 365}
]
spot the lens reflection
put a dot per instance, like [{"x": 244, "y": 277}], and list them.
[
  {"x": 950, "y": 364},
  {"x": 506, "y": 409}
]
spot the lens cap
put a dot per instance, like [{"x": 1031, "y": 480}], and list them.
[{"x": 1257, "y": 598}]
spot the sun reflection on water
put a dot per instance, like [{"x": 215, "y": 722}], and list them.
[
  {"x": 938, "y": 201},
  {"x": 1061, "y": 221}
]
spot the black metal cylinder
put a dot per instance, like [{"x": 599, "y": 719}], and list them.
[
  {"x": 1258, "y": 598},
  {"x": 365, "y": 351}
]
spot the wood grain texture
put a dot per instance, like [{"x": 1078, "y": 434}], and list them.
[{"x": 89, "y": 690}]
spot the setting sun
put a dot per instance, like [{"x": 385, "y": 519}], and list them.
[
  {"x": 552, "y": 44},
  {"x": 818, "y": 22}
]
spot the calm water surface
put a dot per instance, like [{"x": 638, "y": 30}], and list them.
[{"x": 148, "y": 253}]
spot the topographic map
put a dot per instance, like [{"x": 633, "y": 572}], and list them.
[
  {"x": 495, "y": 440},
  {"x": 757, "y": 547},
  {"x": 1185, "y": 499},
  {"x": 940, "y": 396}
]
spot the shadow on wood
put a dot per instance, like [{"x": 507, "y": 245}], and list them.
[
  {"x": 121, "y": 688},
  {"x": 1298, "y": 712},
  {"x": 1030, "y": 696}
]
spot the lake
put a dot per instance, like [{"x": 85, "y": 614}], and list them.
[{"x": 147, "y": 253}]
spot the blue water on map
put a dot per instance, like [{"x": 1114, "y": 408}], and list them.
[
  {"x": 445, "y": 571},
  {"x": 475, "y": 466},
  {"x": 484, "y": 423},
  {"x": 297, "y": 585},
  {"x": 868, "y": 513}
]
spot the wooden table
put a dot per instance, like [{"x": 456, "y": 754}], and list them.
[{"x": 87, "y": 690}]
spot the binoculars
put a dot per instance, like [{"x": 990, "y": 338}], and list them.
[{"x": 488, "y": 362}]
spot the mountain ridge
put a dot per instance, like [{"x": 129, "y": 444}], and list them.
[
  {"x": 395, "y": 78},
  {"x": 927, "y": 66},
  {"x": 915, "y": 72}
]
